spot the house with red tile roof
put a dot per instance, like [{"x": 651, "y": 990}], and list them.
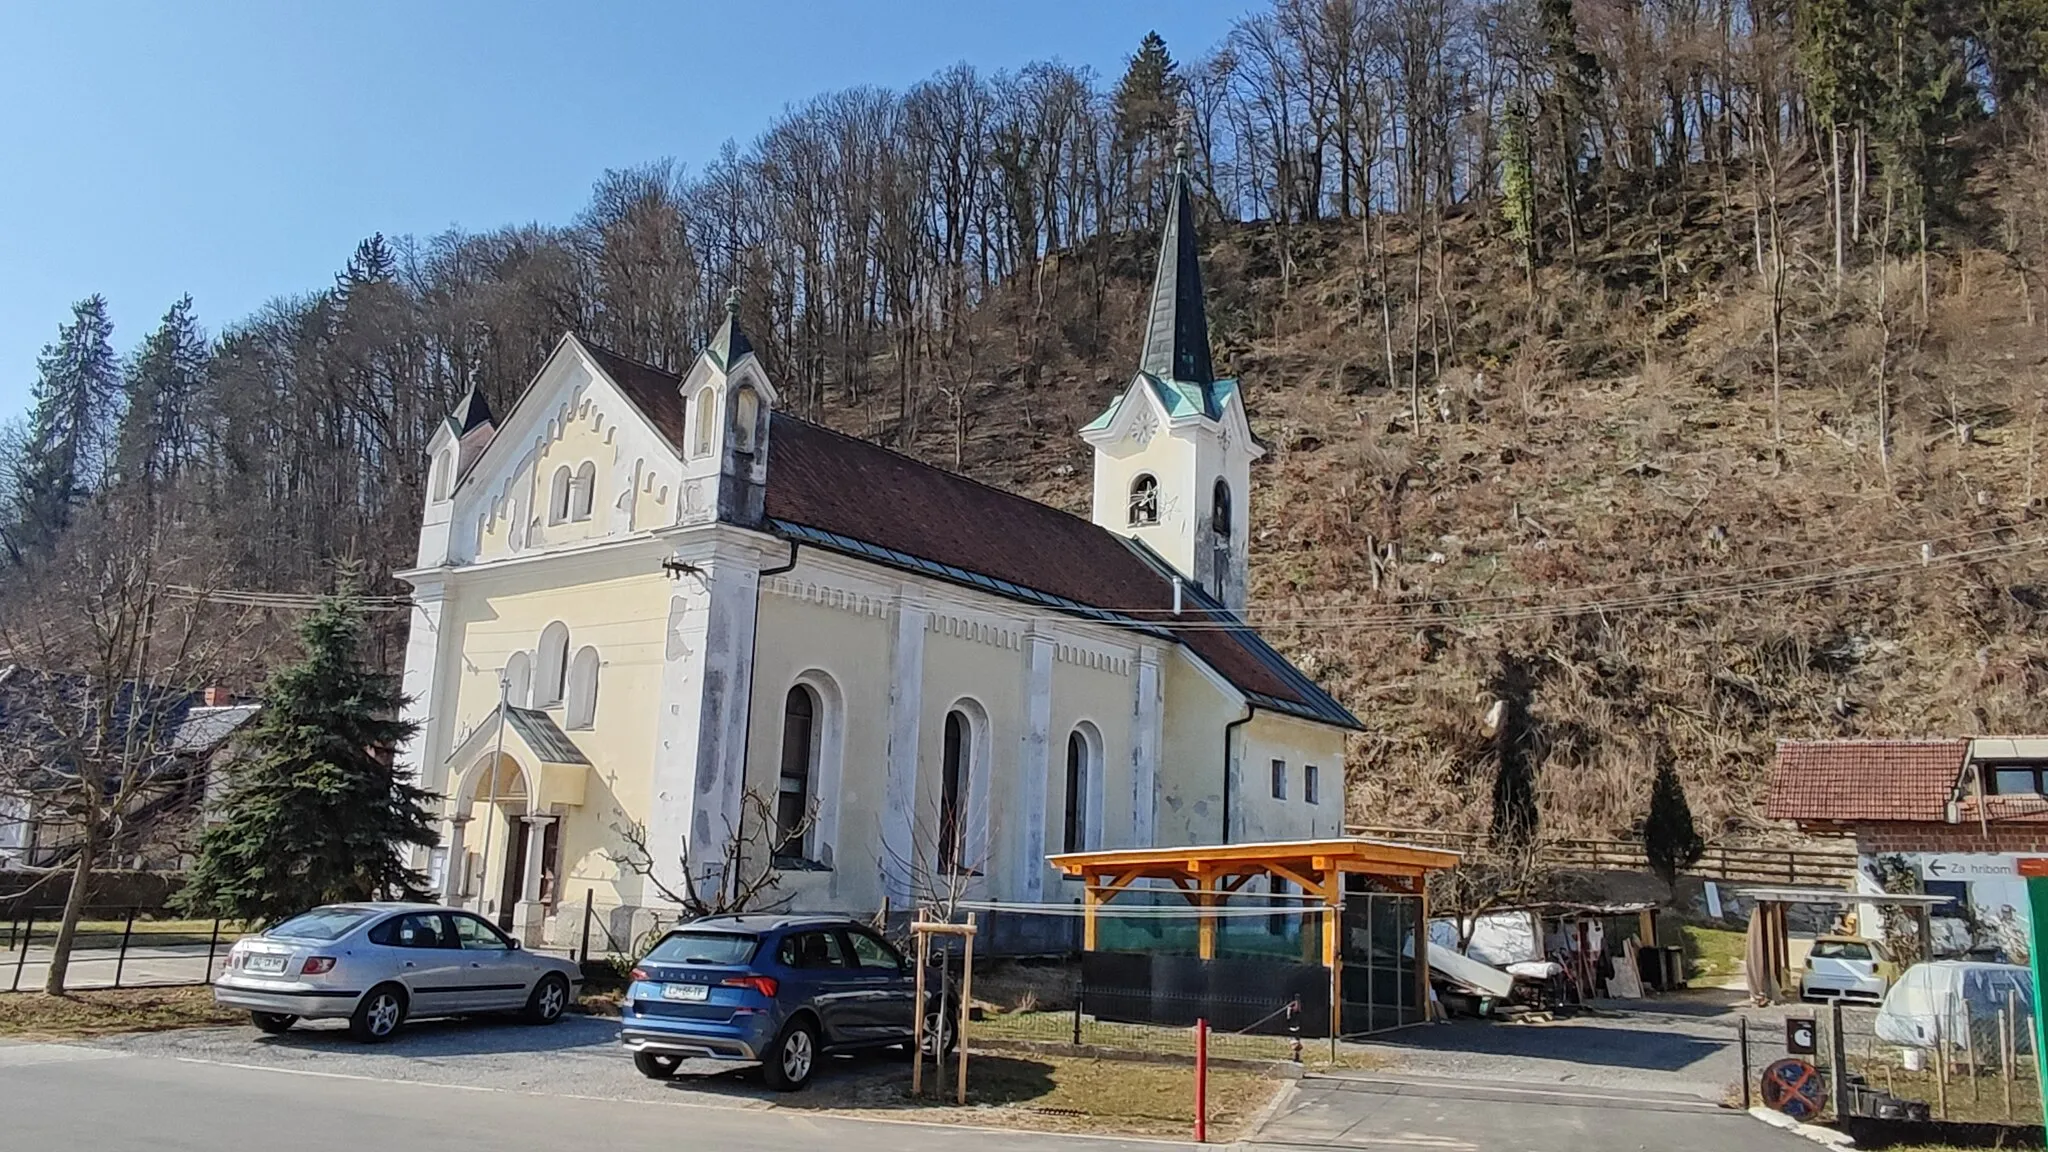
[
  {"x": 656, "y": 615},
  {"x": 1955, "y": 813}
]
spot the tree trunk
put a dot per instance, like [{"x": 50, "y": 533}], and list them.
[{"x": 74, "y": 911}]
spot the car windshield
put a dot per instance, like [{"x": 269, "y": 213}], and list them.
[
  {"x": 322, "y": 923},
  {"x": 1840, "y": 950},
  {"x": 689, "y": 947}
]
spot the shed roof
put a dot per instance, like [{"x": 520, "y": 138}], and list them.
[
  {"x": 1848, "y": 781},
  {"x": 1343, "y": 854}
]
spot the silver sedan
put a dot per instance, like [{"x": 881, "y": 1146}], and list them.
[{"x": 377, "y": 965}]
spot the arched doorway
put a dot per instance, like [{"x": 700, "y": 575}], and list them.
[{"x": 504, "y": 867}]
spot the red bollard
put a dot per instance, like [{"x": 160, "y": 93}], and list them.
[{"x": 1202, "y": 1080}]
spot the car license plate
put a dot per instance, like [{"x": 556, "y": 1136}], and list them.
[
  {"x": 685, "y": 992},
  {"x": 258, "y": 962}
]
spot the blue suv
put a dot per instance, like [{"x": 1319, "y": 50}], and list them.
[{"x": 781, "y": 990}]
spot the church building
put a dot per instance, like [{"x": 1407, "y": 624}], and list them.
[{"x": 656, "y": 610}]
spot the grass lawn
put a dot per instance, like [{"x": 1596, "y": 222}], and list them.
[
  {"x": 1714, "y": 953},
  {"x": 99, "y": 933},
  {"x": 1055, "y": 1093},
  {"x": 34, "y": 1016}
]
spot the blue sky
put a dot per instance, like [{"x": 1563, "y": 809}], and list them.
[{"x": 239, "y": 150}]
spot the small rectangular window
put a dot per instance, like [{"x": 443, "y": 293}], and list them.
[
  {"x": 2015, "y": 782},
  {"x": 1279, "y": 779},
  {"x": 1309, "y": 789}
]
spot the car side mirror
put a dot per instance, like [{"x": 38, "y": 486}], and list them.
[{"x": 513, "y": 944}]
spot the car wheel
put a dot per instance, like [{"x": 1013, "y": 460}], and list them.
[
  {"x": 657, "y": 1065},
  {"x": 793, "y": 1058},
  {"x": 941, "y": 1022},
  {"x": 550, "y": 998},
  {"x": 273, "y": 1022},
  {"x": 378, "y": 1016}
]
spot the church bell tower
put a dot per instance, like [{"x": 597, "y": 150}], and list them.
[{"x": 1173, "y": 451}]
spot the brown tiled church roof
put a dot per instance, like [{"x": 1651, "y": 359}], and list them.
[{"x": 830, "y": 490}]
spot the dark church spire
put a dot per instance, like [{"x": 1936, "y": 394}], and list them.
[
  {"x": 1177, "y": 335},
  {"x": 470, "y": 412},
  {"x": 730, "y": 346}
]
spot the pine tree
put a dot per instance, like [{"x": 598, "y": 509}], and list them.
[
  {"x": 76, "y": 393},
  {"x": 1669, "y": 839},
  {"x": 316, "y": 813},
  {"x": 165, "y": 380}
]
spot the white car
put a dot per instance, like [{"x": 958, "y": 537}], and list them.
[
  {"x": 1845, "y": 968},
  {"x": 377, "y": 965}
]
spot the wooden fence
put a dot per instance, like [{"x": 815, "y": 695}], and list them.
[{"x": 1828, "y": 867}]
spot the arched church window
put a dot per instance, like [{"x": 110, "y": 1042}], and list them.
[
  {"x": 581, "y": 698},
  {"x": 794, "y": 786},
  {"x": 1144, "y": 499},
  {"x": 518, "y": 679},
  {"x": 558, "y": 496},
  {"x": 707, "y": 419},
  {"x": 953, "y": 778},
  {"x": 746, "y": 410},
  {"x": 442, "y": 478},
  {"x": 551, "y": 668},
  {"x": 583, "y": 491},
  {"x": 1081, "y": 761},
  {"x": 1219, "y": 516}
]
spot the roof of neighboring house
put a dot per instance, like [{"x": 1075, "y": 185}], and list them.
[
  {"x": 848, "y": 495},
  {"x": 1865, "y": 780},
  {"x": 181, "y": 726}
]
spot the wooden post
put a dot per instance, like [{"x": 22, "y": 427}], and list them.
[
  {"x": 966, "y": 998},
  {"x": 1422, "y": 945},
  {"x": 1205, "y": 896},
  {"x": 917, "y": 1021},
  {"x": 2005, "y": 1047},
  {"x": 1940, "y": 1070},
  {"x": 1333, "y": 956},
  {"x": 1091, "y": 898}
]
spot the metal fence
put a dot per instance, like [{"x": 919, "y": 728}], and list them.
[
  {"x": 1969, "y": 1061},
  {"x": 122, "y": 947}
]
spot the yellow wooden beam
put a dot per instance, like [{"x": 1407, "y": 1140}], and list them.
[
  {"x": 1090, "y": 900},
  {"x": 1206, "y": 897}
]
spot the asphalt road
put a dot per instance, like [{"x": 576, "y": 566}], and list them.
[{"x": 55, "y": 1096}]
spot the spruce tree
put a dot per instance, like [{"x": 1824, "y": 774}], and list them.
[
  {"x": 1149, "y": 93},
  {"x": 76, "y": 395},
  {"x": 165, "y": 380},
  {"x": 1669, "y": 839},
  {"x": 316, "y": 813}
]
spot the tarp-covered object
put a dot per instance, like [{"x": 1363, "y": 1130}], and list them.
[
  {"x": 1498, "y": 938},
  {"x": 1957, "y": 1002}
]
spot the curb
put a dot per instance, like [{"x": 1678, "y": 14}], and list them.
[{"x": 1813, "y": 1132}]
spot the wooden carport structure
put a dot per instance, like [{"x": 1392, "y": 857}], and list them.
[{"x": 1205, "y": 875}]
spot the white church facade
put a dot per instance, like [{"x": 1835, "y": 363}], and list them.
[{"x": 702, "y": 611}]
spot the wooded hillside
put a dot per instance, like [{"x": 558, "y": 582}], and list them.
[{"x": 1646, "y": 379}]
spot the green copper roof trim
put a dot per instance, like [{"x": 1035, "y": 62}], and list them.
[{"x": 1179, "y": 398}]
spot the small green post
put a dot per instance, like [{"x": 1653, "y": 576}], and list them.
[{"x": 2037, "y": 945}]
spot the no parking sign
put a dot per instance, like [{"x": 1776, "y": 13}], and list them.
[{"x": 1795, "y": 1088}]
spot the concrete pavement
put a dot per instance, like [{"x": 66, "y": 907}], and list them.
[
  {"x": 1383, "y": 1112},
  {"x": 55, "y": 1096}
]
